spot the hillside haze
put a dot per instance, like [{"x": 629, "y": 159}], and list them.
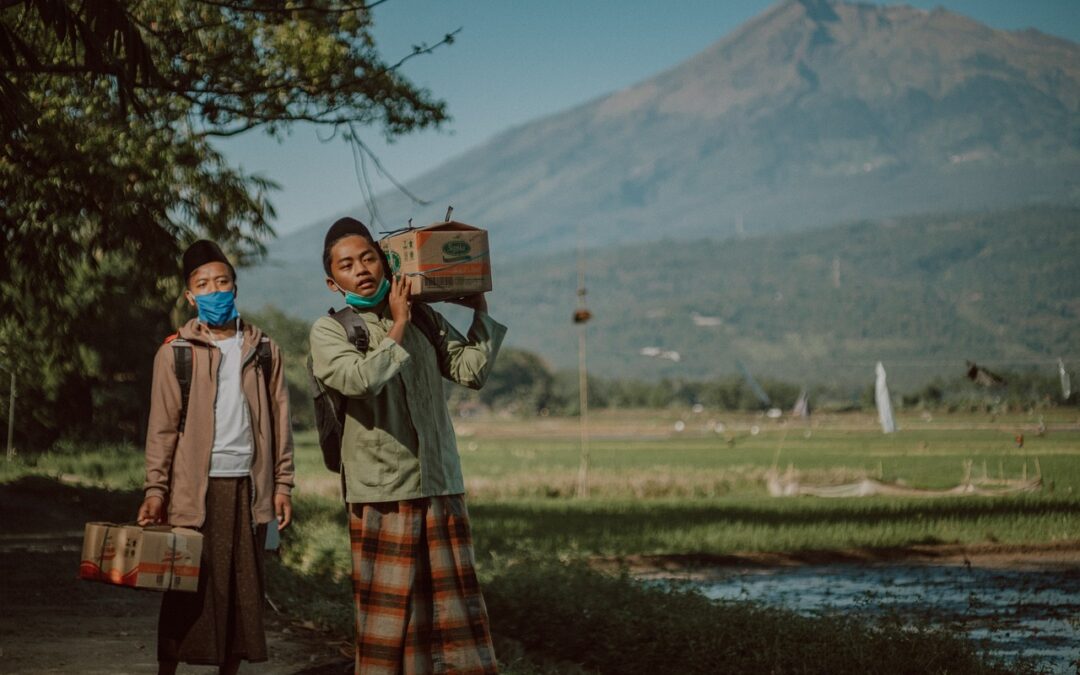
[
  {"x": 921, "y": 294},
  {"x": 712, "y": 198},
  {"x": 811, "y": 114}
]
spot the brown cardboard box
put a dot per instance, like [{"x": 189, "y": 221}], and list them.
[
  {"x": 158, "y": 557},
  {"x": 443, "y": 260}
]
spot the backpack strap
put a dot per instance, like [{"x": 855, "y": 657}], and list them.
[
  {"x": 355, "y": 329},
  {"x": 183, "y": 355},
  {"x": 266, "y": 361},
  {"x": 265, "y": 358}
]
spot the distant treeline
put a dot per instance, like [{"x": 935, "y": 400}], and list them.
[{"x": 523, "y": 383}]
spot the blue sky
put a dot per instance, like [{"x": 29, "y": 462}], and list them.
[{"x": 518, "y": 60}]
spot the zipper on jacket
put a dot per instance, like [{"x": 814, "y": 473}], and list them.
[
  {"x": 254, "y": 436},
  {"x": 251, "y": 468},
  {"x": 215, "y": 374}
]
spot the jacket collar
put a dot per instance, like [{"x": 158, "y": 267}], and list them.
[
  {"x": 380, "y": 311},
  {"x": 196, "y": 331}
]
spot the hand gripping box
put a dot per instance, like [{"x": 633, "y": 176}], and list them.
[
  {"x": 159, "y": 557},
  {"x": 444, "y": 260}
]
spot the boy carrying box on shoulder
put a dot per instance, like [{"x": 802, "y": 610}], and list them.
[
  {"x": 218, "y": 459},
  {"x": 418, "y": 603}
]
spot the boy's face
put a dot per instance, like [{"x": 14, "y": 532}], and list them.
[
  {"x": 355, "y": 266},
  {"x": 208, "y": 278}
]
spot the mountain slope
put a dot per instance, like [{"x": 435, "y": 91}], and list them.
[
  {"x": 922, "y": 294},
  {"x": 811, "y": 114}
]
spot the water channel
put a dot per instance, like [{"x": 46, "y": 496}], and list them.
[{"x": 1035, "y": 614}]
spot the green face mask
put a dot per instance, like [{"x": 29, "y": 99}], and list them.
[{"x": 360, "y": 302}]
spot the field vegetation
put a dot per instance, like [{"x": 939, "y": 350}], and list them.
[{"x": 655, "y": 491}]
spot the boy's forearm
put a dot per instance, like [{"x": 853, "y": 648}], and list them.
[
  {"x": 162, "y": 428},
  {"x": 397, "y": 332},
  {"x": 160, "y": 447},
  {"x": 472, "y": 358},
  {"x": 339, "y": 366},
  {"x": 284, "y": 470}
]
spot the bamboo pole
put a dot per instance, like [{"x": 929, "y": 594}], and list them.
[{"x": 583, "y": 385}]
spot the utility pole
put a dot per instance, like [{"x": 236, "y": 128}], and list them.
[{"x": 581, "y": 317}]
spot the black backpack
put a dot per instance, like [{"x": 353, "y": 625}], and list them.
[
  {"x": 330, "y": 404},
  {"x": 182, "y": 358}
]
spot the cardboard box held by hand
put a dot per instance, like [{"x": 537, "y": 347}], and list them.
[
  {"x": 158, "y": 557},
  {"x": 444, "y": 260}
]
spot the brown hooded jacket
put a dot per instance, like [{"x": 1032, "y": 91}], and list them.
[{"x": 178, "y": 464}]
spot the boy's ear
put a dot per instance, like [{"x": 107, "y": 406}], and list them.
[
  {"x": 190, "y": 297},
  {"x": 332, "y": 285}
]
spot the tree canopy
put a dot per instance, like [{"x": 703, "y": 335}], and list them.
[{"x": 108, "y": 170}]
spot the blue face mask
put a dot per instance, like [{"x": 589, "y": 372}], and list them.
[
  {"x": 360, "y": 302},
  {"x": 217, "y": 308}
]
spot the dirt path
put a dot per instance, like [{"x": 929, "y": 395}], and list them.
[{"x": 52, "y": 622}]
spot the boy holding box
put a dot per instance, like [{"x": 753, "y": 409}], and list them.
[
  {"x": 418, "y": 603},
  {"x": 218, "y": 459}
]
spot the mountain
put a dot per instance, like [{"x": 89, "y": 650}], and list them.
[
  {"x": 922, "y": 294},
  {"x": 709, "y": 197},
  {"x": 813, "y": 113}
]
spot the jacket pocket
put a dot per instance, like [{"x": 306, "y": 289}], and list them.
[{"x": 373, "y": 462}]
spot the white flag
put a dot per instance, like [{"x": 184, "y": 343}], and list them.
[
  {"x": 802, "y": 405},
  {"x": 884, "y": 404}
]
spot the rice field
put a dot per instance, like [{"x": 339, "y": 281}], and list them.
[
  {"x": 655, "y": 490},
  {"x": 671, "y": 484}
]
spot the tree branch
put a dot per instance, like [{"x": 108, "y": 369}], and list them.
[
  {"x": 237, "y": 7},
  {"x": 448, "y": 39}
]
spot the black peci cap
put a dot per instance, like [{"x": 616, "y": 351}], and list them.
[
  {"x": 202, "y": 252},
  {"x": 348, "y": 227}
]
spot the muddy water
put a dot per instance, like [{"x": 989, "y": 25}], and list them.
[{"x": 1035, "y": 614}]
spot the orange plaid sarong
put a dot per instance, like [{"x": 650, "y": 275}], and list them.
[{"x": 419, "y": 609}]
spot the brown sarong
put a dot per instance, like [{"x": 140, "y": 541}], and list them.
[
  {"x": 224, "y": 618},
  {"x": 418, "y": 604}
]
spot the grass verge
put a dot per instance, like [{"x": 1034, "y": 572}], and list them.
[{"x": 666, "y": 496}]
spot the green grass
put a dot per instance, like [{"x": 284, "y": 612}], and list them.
[
  {"x": 924, "y": 458},
  {"x": 715, "y": 527},
  {"x": 117, "y": 466},
  {"x": 657, "y": 492}
]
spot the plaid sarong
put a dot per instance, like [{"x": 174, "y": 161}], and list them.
[{"x": 419, "y": 608}]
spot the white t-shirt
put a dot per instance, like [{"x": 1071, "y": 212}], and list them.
[{"x": 231, "y": 454}]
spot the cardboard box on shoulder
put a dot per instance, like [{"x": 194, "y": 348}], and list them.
[
  {"x": 158, "y": 557},
  {"x": 443, "y": 260}
]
